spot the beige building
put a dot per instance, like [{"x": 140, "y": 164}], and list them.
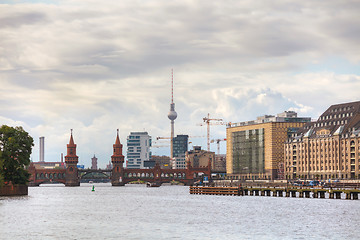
[
  {"x": 255, "y": 149},
  {"x": 200, "y": 158},
  {"x": 328, "y": 148}
]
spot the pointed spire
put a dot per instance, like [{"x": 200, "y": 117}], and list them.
[
  {"x": 117, "y": 138},
  {"x": 172, "y": 86},
  {"x": 71, "y": 138}
]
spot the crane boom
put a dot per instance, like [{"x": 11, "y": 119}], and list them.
[
  {"x": 207, "y": 120},
  {"x": 218, "y": 143}
]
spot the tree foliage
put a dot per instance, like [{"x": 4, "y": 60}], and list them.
[{"x": 15, "y": 149}]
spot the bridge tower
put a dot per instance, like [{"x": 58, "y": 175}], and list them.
[
  {"x": 71, "y": 160},
  {"x": 117, "y": 160}
]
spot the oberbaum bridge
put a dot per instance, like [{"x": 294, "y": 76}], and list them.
[{"x": 71, "y": 175}]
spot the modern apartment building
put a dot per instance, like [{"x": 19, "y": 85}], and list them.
[
  {"x": 138, "y": 149},
  {"x": 255, "y": 149},
  {"x": 328, "y": 148}
]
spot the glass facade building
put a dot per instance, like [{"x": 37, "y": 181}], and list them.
[
  {"x": 255, "y": 149},
  {"x": 180, "y": 145},
  {"x": 248, "y": 151}
]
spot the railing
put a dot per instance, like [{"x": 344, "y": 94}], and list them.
[{"x": 214, "y": 190}]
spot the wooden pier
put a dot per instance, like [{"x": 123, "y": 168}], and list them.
[{"x": 350, "y": 194}]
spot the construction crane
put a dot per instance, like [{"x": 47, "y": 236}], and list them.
[
  {"x": 159, "y": 146},
  {"x": 159, "y": 138},
  {"x": 207, "y": 121},
  {"x": 218, "y": 143}
]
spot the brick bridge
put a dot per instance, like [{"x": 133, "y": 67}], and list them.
[{"x": 119, "y": 176}]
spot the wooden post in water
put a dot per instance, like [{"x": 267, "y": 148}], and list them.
[
  {"x": 280, "y": 193},
  {"x": 355, "y": 196},
  {"x": 293, "y": 193},
  {"x": 348, "y": 196},
  {"x": 338, "y": 195},
  {"x": 301, "y": 194},
  {"x": 287, "y": 193},
  {"x": 315, "y": 194}
]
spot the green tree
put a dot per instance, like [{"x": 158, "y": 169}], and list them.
[
  {"x": 1, "y": 176},
  {"x": 15, "y": 149}
]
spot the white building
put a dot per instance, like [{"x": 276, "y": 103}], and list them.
[
  {"x": 179, "y": 162},
  {"x": 138, "y": 149}
]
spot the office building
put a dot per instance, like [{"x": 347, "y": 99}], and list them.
[
  {"x": 180, "y": 146},
  {"x": 138, "y": 149},
  {"x": 328, "y": 148},
  {"x": 255, "y": 149},
  {"x": 200, "y": 158}
]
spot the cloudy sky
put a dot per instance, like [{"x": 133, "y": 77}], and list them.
[{"x": 91, "y": 67}]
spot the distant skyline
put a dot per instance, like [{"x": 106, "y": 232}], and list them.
[{"x": 95, "y": 68}]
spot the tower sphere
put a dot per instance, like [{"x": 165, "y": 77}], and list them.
[{"x": 172, "y": 115}]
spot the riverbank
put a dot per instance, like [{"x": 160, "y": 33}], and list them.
[{"x": 13, "y": 190}]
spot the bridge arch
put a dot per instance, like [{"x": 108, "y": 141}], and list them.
[
  {"x": 95, "y": 175},
  {"x": 49, "y": 181}
]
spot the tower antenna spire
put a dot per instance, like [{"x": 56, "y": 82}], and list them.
[
  {"x": 172, "y": 115},
  {"x": 172, "y": 86}
]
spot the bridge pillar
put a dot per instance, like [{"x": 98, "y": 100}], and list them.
[
  {"x": 71, "y": 160},
  {"x": 71, "y": 176},
  {"x": 117, "y": 160}
]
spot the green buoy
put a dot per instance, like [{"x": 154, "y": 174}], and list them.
[{"x": 93, "y": 189}]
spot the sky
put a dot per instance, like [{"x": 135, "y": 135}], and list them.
[{"x": 96, "y": 67}]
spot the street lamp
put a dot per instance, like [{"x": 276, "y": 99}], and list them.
[
  {"x": 245, "y": 168},
  {"x": 287, "y": 181}
]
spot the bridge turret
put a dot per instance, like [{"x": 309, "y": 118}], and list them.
[
  {"x": 71, "y": 160},
  {"x": 117, "y": 160}
]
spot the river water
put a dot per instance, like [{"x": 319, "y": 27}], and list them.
[{"x": 170, "y": 212}]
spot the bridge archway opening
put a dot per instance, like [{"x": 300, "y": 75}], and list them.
[
  {"x": 52, "y": 182},
  {"x": 95, "y": 175}
]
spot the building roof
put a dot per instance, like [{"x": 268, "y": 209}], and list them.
[
  {"x": 286, "y": 116},
  {"x": 336, "y": 120}
]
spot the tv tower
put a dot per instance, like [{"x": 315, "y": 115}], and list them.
[{"x": 172, "y": 115}]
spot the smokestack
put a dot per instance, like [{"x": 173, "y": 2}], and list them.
[{"x": 42, "y": 147}]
